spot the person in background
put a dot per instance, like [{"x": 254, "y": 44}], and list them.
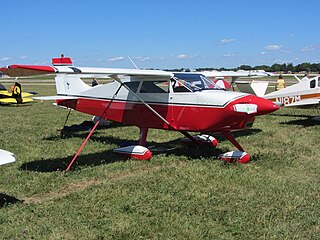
[
  {"x": 94, "y": 82},
  {"x": 306, "y": 77},
  {"x": 280, "y": 83}
]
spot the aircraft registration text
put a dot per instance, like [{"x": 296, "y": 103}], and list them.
[{"x": 289, "y": 100}]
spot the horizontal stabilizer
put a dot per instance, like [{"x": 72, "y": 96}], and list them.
[{"x": 53, "y": 98}]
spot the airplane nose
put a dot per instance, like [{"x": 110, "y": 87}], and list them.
[{"x": 264, "y": 106}]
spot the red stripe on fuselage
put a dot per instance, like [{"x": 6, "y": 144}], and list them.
[{"x": 181, "y": 117}]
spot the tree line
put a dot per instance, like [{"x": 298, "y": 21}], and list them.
[{"x": 285, "y": 68}]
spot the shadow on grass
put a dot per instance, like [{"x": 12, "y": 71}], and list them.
[
  {"x": 290, "y": 115},
  {"x": 60, "y": 164},
  {"x": 307, "y": 122},
  {"x": 80, "y": 130},
  {"x": 172, "y": 148},
  {"x": 6, "y": 200}
]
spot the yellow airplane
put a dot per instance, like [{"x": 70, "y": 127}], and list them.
[{"x": 15, "y": 96}]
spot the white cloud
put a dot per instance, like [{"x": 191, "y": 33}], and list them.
[
  {"x": 286, "y": 51},
  {"x": 308, "y": 49},
  {"x": 115, "y": 59},
  {"x": 227, "y": 40},
  {"x": 5, "y": 59},
  {"x": 181, "y": 56},
  {"x": 228, "y": 55},
  {"x": 142, "y": 59},
  {"x": 263, "y": 53},
  {"x": 273, "y": 47},
  {"x": 23, "y": 57}
]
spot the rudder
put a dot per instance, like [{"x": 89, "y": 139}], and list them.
[{"x": 16, "y": 92}]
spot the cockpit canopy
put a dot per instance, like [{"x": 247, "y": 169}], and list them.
[{"x": 192, "y": 82}]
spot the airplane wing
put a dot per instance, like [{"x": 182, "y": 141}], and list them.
[
  {"x": 53, "y": 98},
  {"x": 27, "y": 94},
  {"x": 8, "y": 100},
  {"x": 5, "y": 93},
  {"x": 27, "y": 70},
  {"x": 236, "y": 74},
  {"x": 13, "y": 100}
]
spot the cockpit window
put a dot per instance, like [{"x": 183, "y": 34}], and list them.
[
  {"x": 183, "y": 82},
  {"x": 313, "y": 83},
  {"x": 132, "y": 85},
  {"x": 154, "y": 87},
  {"x": 318, "y": 81}
]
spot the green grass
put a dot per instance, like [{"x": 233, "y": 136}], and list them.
[{"x": 184, "y": 194}]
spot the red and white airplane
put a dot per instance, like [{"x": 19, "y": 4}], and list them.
[{"x": 184, "y": 102}]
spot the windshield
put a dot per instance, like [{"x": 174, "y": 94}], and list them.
[{"x": 194, "y": 82}]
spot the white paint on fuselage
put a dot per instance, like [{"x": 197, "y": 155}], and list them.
[
  {"x": 296, "y": 90},
  {"x": 217, "y": 98}
]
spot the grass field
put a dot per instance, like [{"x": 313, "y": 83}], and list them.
[{"x": 186, "y": 193}]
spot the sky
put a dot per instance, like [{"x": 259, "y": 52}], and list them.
[{"x": 160, "y": 34}]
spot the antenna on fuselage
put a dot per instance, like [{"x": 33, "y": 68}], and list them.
[{"x": 133, "y": 63}]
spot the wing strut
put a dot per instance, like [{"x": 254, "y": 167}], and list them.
[
  {"x": 92, "y": 130},
  {"x": 155, "y": 112},
  {"x": 113, "y": 97},
  {"x": 144, "y": 103}
]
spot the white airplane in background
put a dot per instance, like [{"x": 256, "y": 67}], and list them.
[
  {"x": 304, "y": 93},
  {"x": 219, "y": 76},
  {"x": 236, "y": 74}
]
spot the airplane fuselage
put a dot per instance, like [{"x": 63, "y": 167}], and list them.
[
  {"x": 209, "y": 110},
  {"x": 302, "y": 93}
]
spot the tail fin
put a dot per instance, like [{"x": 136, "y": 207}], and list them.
[
  {"x": 258, "y": 88},
  {"x": 16, "y": 92},
  {"x": 70, "y": 85}
]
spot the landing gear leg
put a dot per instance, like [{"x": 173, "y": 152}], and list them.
[
  {"x": 139, "y": 152},
  {"x": 239, "y": 156},
  {"x": 143, "y": 136},
  {"x": 231, "y": 138}
]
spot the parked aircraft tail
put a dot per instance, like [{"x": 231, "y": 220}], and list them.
[
  {"x": 16, "y": 92},
  {"x": 70, "y": 85},
  {"x": 258, "y": 88}
]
